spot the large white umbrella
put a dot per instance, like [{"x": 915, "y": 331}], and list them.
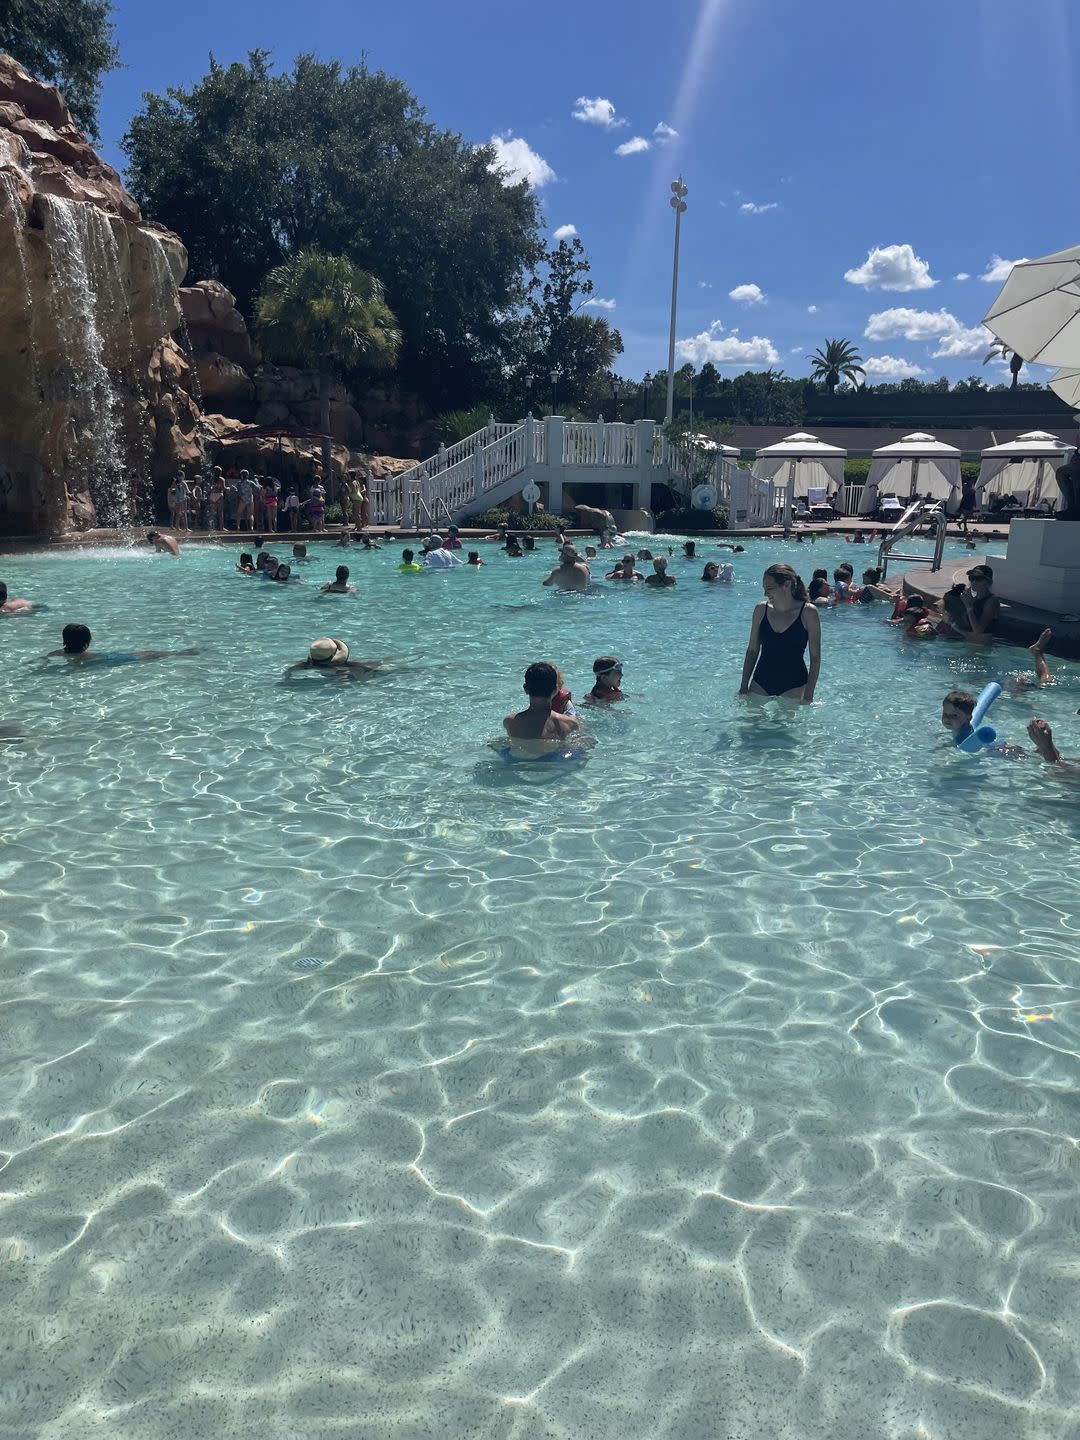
[
  {"x": 1037, "y": 312},
  {"x": 1022, "y": 467},
  {"x": 1066, "y": 383},
  {"x": 805, "y": 462},
  {"x": 916, "y": 465}
]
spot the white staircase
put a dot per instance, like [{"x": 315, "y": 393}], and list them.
[{"x": 494, "y": 464}]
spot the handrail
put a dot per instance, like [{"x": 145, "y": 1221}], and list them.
[{"x": 906, "y": 526}]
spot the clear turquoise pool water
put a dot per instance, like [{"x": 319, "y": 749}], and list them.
[{"x": 353, "y": 1084}]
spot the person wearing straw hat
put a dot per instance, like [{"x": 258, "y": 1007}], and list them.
[
  {"x": 571, "y": 573},
  {"x": 435, "y": 557},
  {"x": 331, "y": 657}
]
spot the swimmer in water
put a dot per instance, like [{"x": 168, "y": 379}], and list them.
[
  {"x": 340, "y": 583},
  {"x": 539, "y": 729},
  {"x": 607, "y": 681},
  {"x": 332, "y": 657},
  {"x": 1042, "y": 737},
  {"x": 163, "y": 544},
  {"x": 624, "y": 570},
  {"x": 1043, "y": 674},
  {"x": 76, "y": 648},
  {"x": 12, "y": 604},
  {"x": 247, "y": 564}
]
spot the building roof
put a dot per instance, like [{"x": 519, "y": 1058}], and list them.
[{"x": 861, "y": 441}]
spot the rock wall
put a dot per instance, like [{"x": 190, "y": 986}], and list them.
[
  {"x": 96, "y": 409},
  {"x": 237, "y": 382}
]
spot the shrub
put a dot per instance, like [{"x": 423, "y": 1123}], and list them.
[
  {"x": 687, "y": 521},
  {"x": 522, "y": 520},
  {"x": 455, "y": 425}
]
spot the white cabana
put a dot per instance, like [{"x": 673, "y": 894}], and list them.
[
  {"x": 914, "y": 466},
  {"x": 1024, "y": 467},
  {"x": 801, "y": 463}
]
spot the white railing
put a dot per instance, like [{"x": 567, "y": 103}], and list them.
[{"x": 602, "y": 443}]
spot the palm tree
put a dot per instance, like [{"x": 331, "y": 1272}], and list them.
[
  {"x": 325, "y": 313},
  {"x": 999, "y": 350},
  {"x": 839, "y": 358}
]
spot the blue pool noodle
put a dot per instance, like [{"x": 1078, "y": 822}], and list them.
[{"x": 975, "y": 736}]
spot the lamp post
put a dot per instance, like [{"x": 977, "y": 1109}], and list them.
[
  {"x": 678, "y": 204},
  {"x": 646, "y": 382},
  {"x": 616, "y": 386},
  {"x": 528, "y": 392},
  {"x": 554, "y": 390}
]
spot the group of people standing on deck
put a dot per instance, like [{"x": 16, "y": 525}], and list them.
[{"x": 238, "y": 500}]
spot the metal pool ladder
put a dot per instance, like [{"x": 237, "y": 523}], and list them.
[{"x": 909, "y": 522}]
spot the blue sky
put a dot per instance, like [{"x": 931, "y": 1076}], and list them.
[{"x": 847, "y": 161}]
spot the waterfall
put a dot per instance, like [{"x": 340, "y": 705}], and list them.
[
  {"x": 88, "y": 299},
  {"x": 18, "y": 225}
]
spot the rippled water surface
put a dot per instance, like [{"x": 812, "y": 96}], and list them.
[{"x": 355, "y": 1084}]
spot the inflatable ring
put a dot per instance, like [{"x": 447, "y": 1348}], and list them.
[{"x": 975, "y": 736}]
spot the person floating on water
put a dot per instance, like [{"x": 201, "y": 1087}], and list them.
[
  {"x": 538, "y": 729},
  {"x": 76, "y": 648},
  {"x": 13, "y": 604},
  {"x": 332, "y": 656},
  {"x": 784, "y": 624}
]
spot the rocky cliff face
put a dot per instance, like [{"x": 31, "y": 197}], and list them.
[
  {"x": 96, "y": 408},
  {"x": 236, "y": 381}
]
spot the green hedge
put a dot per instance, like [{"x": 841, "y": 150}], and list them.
[
  {"x": 686, "y": 521},
  {"x": 856, "y": 471},
  {"x": 520, "y": 520}
]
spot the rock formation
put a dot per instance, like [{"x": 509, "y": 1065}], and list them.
[
  {"x": 96, "y": 408},
  {"x": 99, "y": 402}
]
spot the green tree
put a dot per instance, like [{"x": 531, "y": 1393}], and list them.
[
  {"x": 998, "y": 351},
  {"x": 579, "y": 349},
  {"x": 252, "y": 167},
  {"x": 838, "y": 359},
  {"x": 67, "y": 43},
  {"x": 321, "y": 311},
  {"x": 709, "y": 379}
]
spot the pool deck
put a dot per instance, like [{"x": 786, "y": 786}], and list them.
[{"x": 1018, "y": 624}]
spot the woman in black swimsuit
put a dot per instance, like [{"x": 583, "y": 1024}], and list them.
[{"x": 784, "y": 624}]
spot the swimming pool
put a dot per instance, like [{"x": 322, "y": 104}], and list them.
[{"x": 351, "y": 1084}]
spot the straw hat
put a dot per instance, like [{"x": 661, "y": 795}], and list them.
[{"x": 326, "y": 651}]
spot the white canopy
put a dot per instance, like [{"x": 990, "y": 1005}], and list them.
[
  {"x": 802, "y": 462},
  {"x": 916, "y": 465},
  {"x": 1023, "y": 467}
]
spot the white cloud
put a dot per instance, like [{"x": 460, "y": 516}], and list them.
[
  {"x": 704, "y": 284},
  {"x": 597, "y": 303},
  {"x": 911, "y": 324},
  {"x": 891, "y": 367},
  {"x": 963, "y": 275},
  {"x": 517, "y": 161},
  {"x": 597, "y": 112},
  {"x": 729, "y": 350},
  {"x": 811, "y": 309},
  {"x": 564, "y": 232},
  {"x": 662, "y": 133},
  {"x": 964, "y": 344},
  {"x": 954, "y": 341},
  {"x": 748, "y": 294},
  {"x": 997, "y": 269},
  {"x": 634, "y": 146},
  {"x": 891, "y": 267},
  {"x": 749, "y": 208}
]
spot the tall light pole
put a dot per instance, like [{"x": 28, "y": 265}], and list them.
[{"x": 678, "y": 204}]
